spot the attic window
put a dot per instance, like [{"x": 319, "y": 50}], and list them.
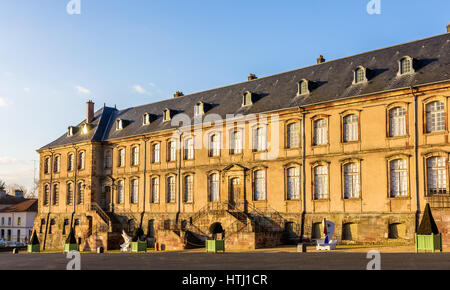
[
  {"x": 166, "y": 115},
  {"x": 119, "y": 124},
  {"x": 70, "y": 131},
  {"x": 303, "y": 87},
  {"x": 359, "y": 75},
  {"x": 199, "y": 109},
  {"x": 85, "y": 129},
  {"x": 247, "y": 99},
  {"x": 406, "y": 65},
  {"x": 146, "y": 119}
]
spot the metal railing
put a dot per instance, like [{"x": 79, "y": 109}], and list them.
[{"x": 438, "y": 201}]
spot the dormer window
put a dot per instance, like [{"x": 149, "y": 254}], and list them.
[
  {"x": 119, "y": 124},
  {"x": 146, "y": 119},
  {"x": 199, "y": 109},
  {"x": 166, "y": 115},
  {"x": 85, "y": 129},
  {"x": 406, "y": 65},
  {"x": 247, "y": 99},
  {"x": 359, "y": 75},
  {"x": 70, "y": 131},
  {"x": 303, "y": 87}
]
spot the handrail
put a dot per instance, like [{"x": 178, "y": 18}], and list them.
[{"x": 95, "y": 207}]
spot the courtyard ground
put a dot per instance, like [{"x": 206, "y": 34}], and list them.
[{"x": 282, "y": 258}]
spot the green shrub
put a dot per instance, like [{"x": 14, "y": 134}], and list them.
[
  {"x": 71, "y": 238},
  {"x": 34, "y": 239},
  {"x": 137, "y": 235}
]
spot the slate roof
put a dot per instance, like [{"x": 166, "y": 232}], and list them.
[
  {"x": 9, "y": 200},
  {"x": 331, "y": 80},
  {"x": 28, "y": 205}
]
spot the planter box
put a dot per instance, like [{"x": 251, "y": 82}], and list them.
[
  {"x": 33, "y": 248},
  {"x": 139, "y": 246},
  {"x": 428, "y": 242},
  {"x": 215, "y": 246},
  {"x": 70, "y": 247}
]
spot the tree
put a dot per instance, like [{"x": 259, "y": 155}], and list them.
[{"x": 2, "y": 185}]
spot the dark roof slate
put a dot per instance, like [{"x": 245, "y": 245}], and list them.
[
  {"x": 29, "y": 205},
  {"x": 331, "y": 81}
]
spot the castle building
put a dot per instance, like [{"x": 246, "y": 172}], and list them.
[{"x": 362, "y": 141}]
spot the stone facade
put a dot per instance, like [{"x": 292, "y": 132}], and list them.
[{"x": 371, "y": 214}]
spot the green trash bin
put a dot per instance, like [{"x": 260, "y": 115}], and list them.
[{"x": 215, "y": 246}]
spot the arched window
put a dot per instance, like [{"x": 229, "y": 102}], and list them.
[
  {"x": 80, "y": 191},
  {"x": 108, "y": 159},
  {"x": 70, "y": 162},
  {"x": 135, "y": 156},
  {"x": 46, "y": 194},
  {"x": 437, "y": 175},
  {"x": 321, "y": 182},
  {"x": 435, "y": 117},
  {"x": 134, "y": 191},
  {"x": 155, "y": 153},
  {"x": 69, "y": 192},
  {"x": 260, "y": 184},
  {"x": 81, "y": 161},
  {"x": 214, "y": 145},
  {"x": 303, "y": 88},
  {"x": 188, "y": 188},
  {"x": 120, "y": 192},
  {"x": 350, "y": 128},
  {"x": 399, "y": 178},
  {"x": 292, "y": 132},
  {"x": 397, "y": 122},
  {"x": 171, "y": 189},
  {"x": 155, "y": 189},
  {"x": 214, "y": 187},
  {"x": 293, "y": 183},
  {"x": 189, "y": 149},
  {"x": 55, "y": 194},
  {"x": 259, "y": 139},
  {"x": 121, "y": 158},
  {"x": 351, "y": 180},
  {"x": 320, "y": 132}
]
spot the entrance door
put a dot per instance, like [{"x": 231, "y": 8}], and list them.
[{"x": 235, "y": 191}]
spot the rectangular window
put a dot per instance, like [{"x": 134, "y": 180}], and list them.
[
  {"x": 437, "y": 175},
  {"x": 120, "y": 192},
  {"x": 155, "y": 190},
  {"x": 320, "y": 132},
  {"x": 435, "y": 117},
  {"x": 293, "y": 183},
  {"x": 236, "y": 142},
  {"x": 188, "y": 188},
  {"x": 350, "y": 128},
  {"x": 155, "y": 153},
  {"x": 70, "y": 162},
  {"x": 121, "y": 159},
  {"x": 260, "y": 185},
  {"x": 171, "y": 189},
  {"x": 351, "y": 180},
  {"x": 134, "y": 191},
  {"x": 214, "y": 145},
  {"x": 293, "y": 135},
  {"x": 135, "y": 156},
  {"x": 172, "y": 156},
  {"x": 399, "y": 178},
  {"x": 189, "y": 149},
  {"x": 397, "y": 122},
  {"x": 321, "y": 182},
  {"x": 214, "y": 187},
  {"x": 259, "y": 139}
]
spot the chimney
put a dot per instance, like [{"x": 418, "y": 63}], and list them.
[
  {"x": 178, "y": 94},
  {"x": 320, "y": 59},
  {"x": 252, "y": 77},
  {"x": 448, "y": 28},
  {"x": 90, "y": 111}
]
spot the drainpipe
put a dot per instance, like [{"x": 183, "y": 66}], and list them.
[
  {"x": 49, "y": 199},
  {"x": 74, "y": 186},
  {"x": 302, "y": 231},
  {"x": 179, "y": 175},
  {"x": 416, "y": 156},
  {"x": 145, "y": 180}
]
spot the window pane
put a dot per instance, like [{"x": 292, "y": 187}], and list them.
[
  {"x": 351, "y": 180},
  {"x": 437, "y": 175},
  {"x": 260, "y": 185},
  {"x": 397, "y": 122},
  {"x": 399, "y": 178},
  {"x": 321, "y": 182},
  {"x": 320, "y": 132},
  {"x": 435, "y": 117},
  {"x": 350, "y": 128},
  {"x": 293, "y": 183}
]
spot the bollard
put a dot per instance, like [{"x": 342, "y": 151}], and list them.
[
  {"x": 100, "y": 250},
  {"x": 156, "y": 246},
  {"x": 15, "y": 251},
  {"x": 301, "y": 248}
]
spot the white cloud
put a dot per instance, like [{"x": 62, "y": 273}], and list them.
[
  {"x": 5, "y": 160},
  {"x": 26, "y": 90},
  {"x": 82, "y": 90},
  {"x": 152, "y": 84},
  {"x": 140, "y": 90},
  {"x": 4, "y": 102}
]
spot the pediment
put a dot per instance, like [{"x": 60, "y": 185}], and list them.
[{"x": 235, "y": 167}]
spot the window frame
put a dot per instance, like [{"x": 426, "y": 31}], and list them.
[
  {"x": 391, "y": 107},
  {"x": 153, "y": 146},
  {"x": 168, "y": 191},
  {"x": 428, "y": 102},
  {"x": 313, "y": 131},
  {"x": 446, "y": 162},
  {"x": 287, "y": 167},
  {"x": 400, "y": 65},
  {"x": 345, "y": 115},
  {"x": 132, "y": 187},
  {"x": 232, "y": 134},
  {"x": 211, "y": 150},
  {"x": 152, "y": 192},
  {"x": 210, "y": 175},
  {"x": 185, "y": 193},
  {"x": 406, "y": 159},
  {"x": 345, "y": 163},
  {"x": 287, "y": 140},
  {"x": 254, "y": 183},
  {"x": 315, "y": 165},
  {"x": 135, "y": 161}
]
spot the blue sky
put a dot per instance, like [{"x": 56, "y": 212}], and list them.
[{"x": 129, "y": 53}]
